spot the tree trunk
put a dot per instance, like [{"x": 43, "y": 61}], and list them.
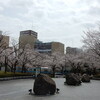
[
  {"x": 15, "y": 64},
  {"x": 0, "y": 66},
  {"x": 22, "y": 68},
  {"x": 53, "y": 70},
  {"x": 12, "y": 68},
  {"x": 5, "y": 64}
]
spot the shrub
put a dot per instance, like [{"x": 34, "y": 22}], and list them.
[
  {"x": 11, "y": 74},
  {"x": 97, "y": 76}
]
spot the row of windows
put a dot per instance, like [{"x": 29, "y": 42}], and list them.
[{"x": 42, "y": 46}]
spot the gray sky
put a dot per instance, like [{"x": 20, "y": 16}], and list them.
[{"x": 54, "y": 20}]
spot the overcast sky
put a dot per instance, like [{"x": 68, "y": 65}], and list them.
[{"x": 54, "y": 20}]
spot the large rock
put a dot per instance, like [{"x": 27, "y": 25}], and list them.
[
  {"x": 85, "y": 78},
  {"x": 44, "y": 85},
  {"x": 72, "y": 79}
]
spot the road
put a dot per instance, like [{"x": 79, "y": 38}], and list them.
[{"x": 18, "y": 90}]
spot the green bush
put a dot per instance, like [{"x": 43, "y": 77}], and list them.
[
  {"x": 11, "y": 74},
  {"x": 97, "y": 76}
]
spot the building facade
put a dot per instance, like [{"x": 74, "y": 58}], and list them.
[
  {"x": 4, "y": 41},
  {"x": 57, "y": 47},
  {"x": 27, "y": 37},
  {"x": 43, "y": 47},
  {"x": 71, "y": 50},
  {"x": 49, "y": 47}
]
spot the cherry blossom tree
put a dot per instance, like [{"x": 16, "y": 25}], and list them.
[
  {"x": 53, "y": 61},
  {"x": 91, "y": 42}
]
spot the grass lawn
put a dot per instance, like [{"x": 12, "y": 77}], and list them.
[
  {"x": 11, "y": 74},
  {"x": 97, "y": 76}
]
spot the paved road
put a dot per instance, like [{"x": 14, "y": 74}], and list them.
[{"x": 18, "y": 90}]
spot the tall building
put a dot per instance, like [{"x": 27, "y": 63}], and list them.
[
  {"x": 4, "y": 40},
  {"x": 71, "y": 50},
  {"x": 49, "y": 47},
  {"x": 27, "y": 37},
  {"x": 57, "y": 47}
]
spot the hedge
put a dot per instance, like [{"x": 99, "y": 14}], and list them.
[{"x": 11, "y": 74}]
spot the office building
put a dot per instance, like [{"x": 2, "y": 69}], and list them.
[
  {"x": 57, "y": 47},
  {"x": 71, "y": 50},
  {"x": 27, "y": 37},
  {"x": 4, "y": 40},
  {"x": 49, "y": 47}
]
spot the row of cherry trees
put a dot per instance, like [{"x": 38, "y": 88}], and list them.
[{"x": 26, "y": 58}]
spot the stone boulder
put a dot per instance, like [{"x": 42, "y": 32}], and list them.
[
  {"x": 44, "y": 85},
  {"x": 85, "y": 78},
  {"x": 72, "y": 79}
]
